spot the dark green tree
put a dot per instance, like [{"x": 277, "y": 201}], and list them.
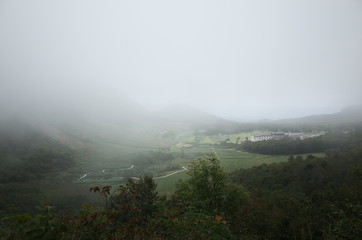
[{"x": 208, "y": 188}]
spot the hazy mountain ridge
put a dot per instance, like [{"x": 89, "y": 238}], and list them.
[
  {"x": 125, "y": 123},
  {"x": 350, "y": 114},
  {"x": 85, "y": 120},
  {"x": 185, "y": 117}
]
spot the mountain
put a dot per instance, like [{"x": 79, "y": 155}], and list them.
[
  {"x": 349, "y": 114},
  {"x": 353, "y": 113},
  {"x": 186, "y": 117},
  {"x": 349, "y": 117},
  {"x": 97, "y": 117}
]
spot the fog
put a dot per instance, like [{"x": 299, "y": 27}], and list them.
[{"x": 243, "y": 60}]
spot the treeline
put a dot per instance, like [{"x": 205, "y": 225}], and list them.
[
  {"x": 326, "y": 143},
  {"x": 303, "y": 177},
  {"x": 315, "y": 198}
]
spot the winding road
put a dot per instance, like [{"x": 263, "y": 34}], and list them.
[
  {"x": 122, "y": 169},
  {"x": 83, "y": 176}
]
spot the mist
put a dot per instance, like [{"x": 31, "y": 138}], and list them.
[{"x": 236, "y": 59}]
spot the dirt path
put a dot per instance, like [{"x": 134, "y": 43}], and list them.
[{"x": 123, "y": 169}]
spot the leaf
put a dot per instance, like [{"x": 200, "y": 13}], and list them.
[{"x": 218, "y": 218}]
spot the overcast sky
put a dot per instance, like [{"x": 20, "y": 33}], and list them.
[{"x": 238, "y": 59}]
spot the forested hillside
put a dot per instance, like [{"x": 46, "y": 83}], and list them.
[
  {"x": 26, "y": 155},
  {"x": 303, "y": 177}
]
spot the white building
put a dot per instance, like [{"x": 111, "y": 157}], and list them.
[
  {"x": 275, "y": 136},
  {"x": 261, "y": 137},
  {"x": 296, "y": 135}
]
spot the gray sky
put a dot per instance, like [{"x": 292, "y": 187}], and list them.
[{"x": 238, "y": 59}]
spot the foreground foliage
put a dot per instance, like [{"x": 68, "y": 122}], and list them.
[
  {"x": 208, "y": 205},
  {"x": 134, "y": 211}
]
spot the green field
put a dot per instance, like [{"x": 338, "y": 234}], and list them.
[
  {"x": 185, "y": 147},
  {"x": 230, "y": 160}
]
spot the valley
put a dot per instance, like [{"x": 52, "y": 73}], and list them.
[
  {"x": 45, "y": 163},
  {"x": 110, "y": 154}
]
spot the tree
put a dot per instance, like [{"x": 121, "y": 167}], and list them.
[
  {"x": 208, "y": 188},
  {"x": 135, "y": 200}
]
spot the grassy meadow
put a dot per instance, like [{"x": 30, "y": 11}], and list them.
[
  {"x": 230, "y": 160},
  {"x": 185, "y": 147}
]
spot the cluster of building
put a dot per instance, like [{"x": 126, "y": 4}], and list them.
[{"x": 279, "y": 135}]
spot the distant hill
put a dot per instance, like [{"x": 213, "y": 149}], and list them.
[
  {"x": 352, "y": 113},
  {"x": 184, "y": 116},
  {"x": 348, "y": 117},
  {"x": 348, "y": 114},
  {"x": 95, "y": 117}
]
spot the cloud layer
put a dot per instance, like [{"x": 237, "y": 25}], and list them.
[{"x": 238, "y": 59}]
